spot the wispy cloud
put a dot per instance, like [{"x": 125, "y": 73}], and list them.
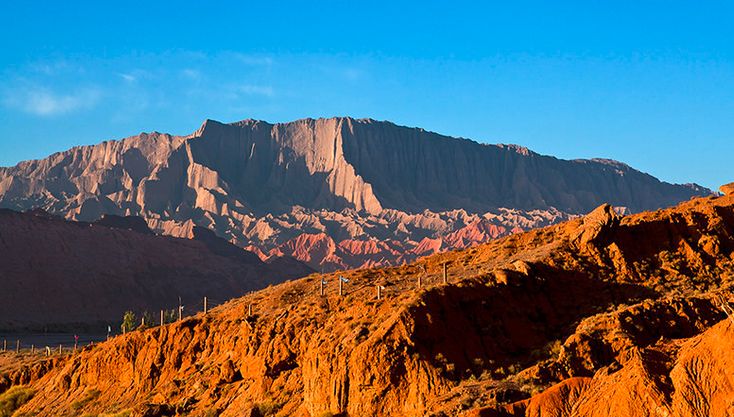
[
  {"x": 258, "y": 90},
  {"x": 251, "y": 60},
  {"x": 44, "y": 102},
  {"x": 191, "y": 73}
]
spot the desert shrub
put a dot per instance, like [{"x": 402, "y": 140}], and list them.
[
  {"x": 268, "y": 408},
  {"x": 128, "y": 321},
  {"x": 89, "y": 396},
  {"x": 13, "y": 399}
]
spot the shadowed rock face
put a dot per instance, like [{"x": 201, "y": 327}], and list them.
[
  {"x": 261, "y": 185},
  {"x": 57, "y": 273}
]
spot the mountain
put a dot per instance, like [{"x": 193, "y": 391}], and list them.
[
  {"x": 59, "y": 274},
  {"x": 604, "y": 315},
  {"x": 365, "y": 192}
]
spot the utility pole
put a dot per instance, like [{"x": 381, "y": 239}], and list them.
[
  {"x": 180, "y": 308},
  {"x": 162, "y": 318},
  {"x": 17, "y": 346}
]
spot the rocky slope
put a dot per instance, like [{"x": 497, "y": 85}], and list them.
[
  {"x": 350, "y": 183},
  {"x": 604, "y": 315},
  {"x": 56, "y": 273}
]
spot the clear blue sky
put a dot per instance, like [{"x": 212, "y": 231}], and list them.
[{"x": 650, "y": 83}]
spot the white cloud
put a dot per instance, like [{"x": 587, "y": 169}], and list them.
[
  {"x": 43, "y": 102},
  {"x": 252, "y": 60},
  {"x": 128, "y": 77},
  {"x": 258, "y": 90},
  {"x": 191, "y": 74}
]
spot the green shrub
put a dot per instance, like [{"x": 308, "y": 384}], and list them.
[
  {"x": 13, "y": 399},
  {"x": 89, "y": 396},
  {"x": 128, "y": 321},
  {"x": 268, "y": 408}
]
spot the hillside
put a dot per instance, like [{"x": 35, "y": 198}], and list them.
[
  {"x": 56, "y": 273},
  {"x": 604, "y": 315},
  {"x": 367, "y": 193}
]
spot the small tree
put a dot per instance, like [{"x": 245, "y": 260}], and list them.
[
  {"x": 147, "y": 320},
  {"x": 170, "y": 316},
  {"x": 128, "y": 321}
]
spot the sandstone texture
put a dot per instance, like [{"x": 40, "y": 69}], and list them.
[
  {"x": 57, "y": 274},
  {"x": 367, "y": 193},
  {"x": 604, "y": 315}
]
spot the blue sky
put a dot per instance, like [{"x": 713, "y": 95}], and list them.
[{"x": 650, "y": 83}]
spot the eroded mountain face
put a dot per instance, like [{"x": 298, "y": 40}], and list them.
[
  {"x": 58, "y": 274},
  {"x": 335, "y": 193},
  {"x": 604, "y": 315}
]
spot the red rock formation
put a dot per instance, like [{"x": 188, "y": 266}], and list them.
[{"x": 603, "y": 315}]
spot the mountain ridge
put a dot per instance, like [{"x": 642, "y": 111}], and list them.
[{"x": 260, "y": 185}]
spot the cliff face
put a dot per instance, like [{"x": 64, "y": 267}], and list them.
[
  {"x": 262, "y": 185},
  {"x": 60, "y": 273},
  {"x": 604, "y": 315}
]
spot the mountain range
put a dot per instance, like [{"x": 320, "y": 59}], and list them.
[{"x": 334, "y": 193}]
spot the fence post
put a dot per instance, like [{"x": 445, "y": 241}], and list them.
[
  {"x": 162, "y": 318},
  {"x": 17, "y": 346},
  {"x": 205, "y": 309}
]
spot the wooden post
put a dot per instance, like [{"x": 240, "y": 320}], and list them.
[
  {"x": 162, "y": 318},
  {"x": 445, "y": 273},
  {"x": 33, "y": 349},
  {"x": 249, "y": 310},
  {"x": 205, "y": 305},
  {"x": 17, "y": 346}
]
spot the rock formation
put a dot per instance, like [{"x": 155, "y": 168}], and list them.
[
  {"x": 603, "y": 315},
  {"x": 60, "y": 274},
  {"x": 357, "y": 182}
]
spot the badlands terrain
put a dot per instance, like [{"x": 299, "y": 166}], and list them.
[
  {"x": 334, "y": 193},
  {"x": 602, "y": 315}
]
